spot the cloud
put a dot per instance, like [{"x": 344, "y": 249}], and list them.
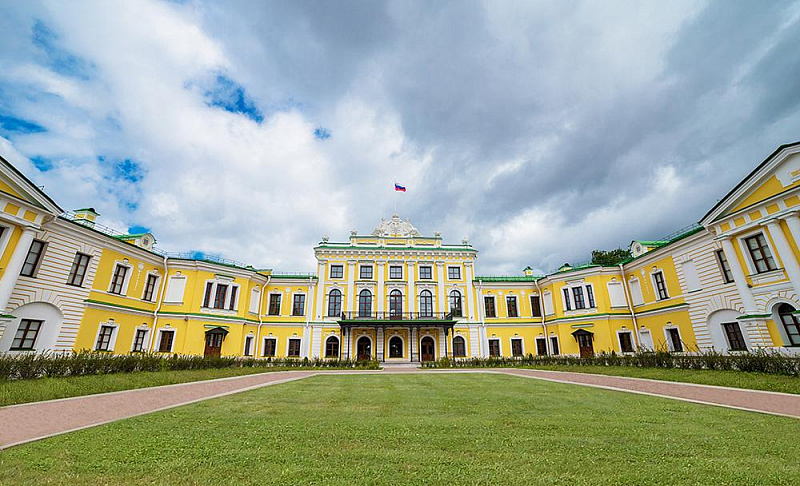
[{"x": 540, "y": 130}]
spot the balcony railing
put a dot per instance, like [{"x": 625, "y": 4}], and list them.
[{"x": 397, "y": 316}]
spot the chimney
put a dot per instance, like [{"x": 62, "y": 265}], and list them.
[{"x": 86, "y": 217}]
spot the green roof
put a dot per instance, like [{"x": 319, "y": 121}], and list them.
[
  {"x": 370, "y": 247},
  {"x": 128, "y": 237},
  {"x": 507, "y": 278},
  {"x": 693, "y": 229}
]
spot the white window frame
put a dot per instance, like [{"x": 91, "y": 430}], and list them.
[
  {"x": 583, "y": 286},
  {"x": 751, "y": 266},
  {"x": 511, "y": 346},
  {"x": 213, "y": 294},
  {"x": 125, "y": 282},
  {"x": 156, "y": 287},
  {"x": 255, "y": 299},
  {"x": 305, "y": 304},
  {"x": 655, "y": 285},
  {"x": 289, "y": 339},
  {"x": 264, "y": 346},
  {"x": 404, "y": 354},
  {"x": 453, "y": 348},
  {"x": 419, "y": 272},
  {"x": 169, "y": 284},
  {"x": 619, "y": 341},
  {"x": 546, "y": 345},
  {"x": 516, "y": 304},
  {"x": 494, "y": 302},
  {"x": 280, "y": 306},
  {"x": 325, "y": 346},
  {"x": 669, "y": 340},
  {"x": 174, "y": 338},
  {"x": 145, "y": 342},
  {"x": 550, "y": 345},
  {"x": 365, "y": 266},
  {"x": 330, "y": 271},
  {"x": 459, "y": 272},
  {"x": 499, "y": 345},
  {"x": 111, "y": 342},
  {"x": 638, "y": 282},
  {"x": 252, "y": 339}
]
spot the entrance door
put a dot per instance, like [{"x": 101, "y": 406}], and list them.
[
  {"x": 213, "y": 344},
  {"x": 427, "y": 349},
  {"x": 585, "y": 345},
  {"x": 363, "y": 349}
]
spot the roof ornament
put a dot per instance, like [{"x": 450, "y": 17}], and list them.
[
  {"x": 465, "y": 242},
  {"x": 353, "y": 232},
  {"x": 325, "y": 239},
  {"x": 395, "y": 227}
]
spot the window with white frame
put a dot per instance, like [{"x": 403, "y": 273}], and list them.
[
  {"x": 165, "y": 341},
  {"x": 337, "y": 271},
  {"x": 150, "y": 286},
  {"x": 454, "y": 273},
  {"x": 625, "y": 341},
  {"x": 298, "y": 304},
  {"x": 733, "y": 333},
  {"x": 221, "y": 295},
  {"x": 724, "y": 266},
  {"x": 255, "y": 298},
  {"x": 567, "y": 299},
  {"x": 270, "y": 346},
  {"x": 674, "y": 339},
  {"x": 488, "y": 305},
  {"x": 425, "y": 272},
  {"x": 660, "y": 285},
  {"x": 511, "y": 306},
  {"x": 78, "y": 271},
  {"x": 396, "y": 272},
  {"x": 274, "y": 305},
  {"x": 293, "y": 350},
  {"x": 365, "y": 272},
  {"x": 494, "y": 348},
  {"x": 248, "y": 345},
  {"x": 541, "y": 346},
  {"x": 536, "y": 310},
  {"x": 119, "y": 279},
  {"x": 455, "y": 304},
  {"x": 332, "y": 347},
  {"x": 760, "y": 254},
  {"x": 578, "y": 297},
  {"x": 616, "y": 294},
  {"x": 139, "y": 340},
  {"x": 33, "y": 259},
  {"x": 636, "y": 291},
  {"x": 104, "y": 336},
  {"x": 175, "y": 289},
  {"x": 27, "y": 332},
  {"x": 516, "y": 347},
  {"x": 459, "y": 347},
  {"x": 554, "y": 345}
]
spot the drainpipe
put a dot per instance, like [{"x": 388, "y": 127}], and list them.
[
  {"x": 260, "y": 320},
  {"x": 308, "y": 320},
  {"x": 630, "y": 306},
  {"x": 158, "y": 305},
  {"x": 544, "y": 325},
  {"x": 481, "y": 312}
]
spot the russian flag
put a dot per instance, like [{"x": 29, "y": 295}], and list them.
[{"x": 398, "y": 187}]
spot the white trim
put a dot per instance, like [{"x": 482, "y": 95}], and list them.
[
  {"x": 511, "y": 343},
  {"x": 111, "y": 342},
  {"x": 655, "y": 286},
  {"x": 145, "y": 341},
  {"x": 264, "y": 347},
  {"x": 668, "y": 339},
  {"x": 155, "y": 286},
  {"x": 516, "y": 304},
  {"x": 125, "y": 281},
  {"x": 325, "y": 346},
  {"x": 9, "y": 230},
  {"x": 403, "y": 347},
  {"x": 619, "y": 341},
  {"x": 435, "y": 345},
  {"x": 372, "y": 349},
  {"x": 453, "y": 348},
  {"x": 160, "y": 334},
  {"x": 270, "y": 294},
  {"x": 489, "y": 347},
  {"x": 748, "y": 258},
  {"x": 300, "y": 351},
  {"x": 251, "y": 335},
  {"x": 550, "y": 344},
  {"x": 305, "y": 303}
]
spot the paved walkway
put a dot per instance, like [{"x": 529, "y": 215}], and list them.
[{"x": 33, "y": 421}]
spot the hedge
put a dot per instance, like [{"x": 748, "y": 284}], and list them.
[{"x": 30, "y": 365}]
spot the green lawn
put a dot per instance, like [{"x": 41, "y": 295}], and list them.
[
  {"x": 24, "y": 391},
  {"x": 422, "y": 429},
  {"x": 734, "y": 379}
]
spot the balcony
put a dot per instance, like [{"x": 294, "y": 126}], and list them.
[{"x": 396, "y": 316}]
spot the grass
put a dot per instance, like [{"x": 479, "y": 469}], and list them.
[
  {"x": 34, "y": 390},
  {"x": 733, "y": 379},
  {"x": 422, "y": 429}
]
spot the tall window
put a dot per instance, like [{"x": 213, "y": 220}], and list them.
[
  {"x": 541, "y": 346},
  {"x": 454, "y": 273},
  {"x": 425, "y": 273},
  {"x": 494, "y": 348},
  {"x": 248, "y": 345},
  {"x": 364, "y": 303},
  {"x": 577, "y": 294},
  {"x": 395, "y": 347},
  {"x": 294, "y": 348},
  {"x": 455, "y": 303},
  {"x": 270, "y": 346},
  {"x": 674, "y": 340},
  {"x": 337, "y": 271},
  {"x": 459, "y": 347},
  {"x": 220, "y": 296},
  {"x": 332, "y": 347},
  {"x": 511, "y": 306},
  {"x": 33, "y": 258},
  {"x": 724, "y": 267},
  {"x": 335, "y": 303},
  {"x": 590, "y": 296},
  {"x": 395, "y": 304},
  {"x": 232, "y": 302},
  {"x": 426, "y": 303},
  {"x": 734, "y": 335},
  {"x": 760, "y": 254},
  {"x": 661, "y": 286},
  {"x": 554, "y": 345},
  {"x": 78, "y": 270},
  {"x": 790, "y": 324},
  {"x": 488, "y": 306},
  {"x": 150, "y": 288},
  {"x": 104, "y": 338},
  {"x": 274, "y": 305},
  {"x": 625, "y": 342},
  {"x": 516, "y": 347},
  {"x": 366, "y": 272},
  {"x": 138, "y": 340},
  {"x": 299, "y": 304},
  {"x": 536, "y": 310},
  {"x": 165, "y": 345},
  {"x": 118, "y": 279},
  {"x": 207, "y": 296},
  {"x": 395, "y": 272},
  {"x": 26, "y": 335},
  {"x": 567, "y": 305}
]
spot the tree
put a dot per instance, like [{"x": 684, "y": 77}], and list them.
[{"x": 610, "y": 258}]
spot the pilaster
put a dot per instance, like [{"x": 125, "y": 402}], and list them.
[{"x": 738, "y": 276}]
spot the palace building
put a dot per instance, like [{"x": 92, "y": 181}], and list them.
[{"x": 730, "y": 282}]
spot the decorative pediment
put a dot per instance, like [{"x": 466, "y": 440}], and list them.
[
  {"x": 395, "y": 227},
  {"x": 14, "y": 183}
]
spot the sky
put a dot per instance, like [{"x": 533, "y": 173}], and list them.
[{"x": 539, "y": 130}]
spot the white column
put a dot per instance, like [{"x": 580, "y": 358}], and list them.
[
  {"x": 380, "y": 300},
  {"x": 442, "y": 339},
  {"x": 412, "y": 291},
  {"x": 414, "y": 344},
  {"x": 322, "y": 273},
  {"x": 738, "y": 276},
  {"x": 350, "y": 300},
  {"x": 470, "y": 293},
  {"x": 379, "y": 346},
  {"x": 11, "y": 272},
  {"x": 785, "y": 253},
  {"x": 442, "y": 302}
]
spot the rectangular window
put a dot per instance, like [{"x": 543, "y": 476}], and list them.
[
  {"x": 104, "y": 338},
  {"x": 138, "y": 340},
  {"x": 366, "y": 272},
  {"x": 270, "y": 344},
  {"x": 294, "y": 348},
  {"x": 661, "y": 286},
  {"x": 590, "y": 296},
  {"x": 425, "y": 273},
  {"x": 234, "y": 292},
  {"x": 396, "y": 272},
  {"x": 207, "y": 297},
  {"x": 494, "y": 348},
  {"x": 220, "y": 296},
  {"x": 26, "y": 335},
  {"x": 577, "y": 293},
  {"x": 299, "y": 304},
  {"x": 567, "y": 305},
  {"x": 541, "y": 347},
  {"x": 724, "y": 267},
  {"x": 554, "y": 345},
  {"x": 175, "y": 289},
  {"x": 78, "y": 271},
  {"x": 760, "y": 254},
  {"x": 248, "y": 346},
  {"x": 454, "y": 273},
  {"x": 690, "y": 276},
  {"x": 255, "y": 297},
  {"x": 488, "y": 304},
  {"x": 516, "y": 347},
  {"x": 536, "y": 310},
  {"x": 636, "y": 292},
  {"x": 625, "y": 342},
  {"x": 165, "y": 345},
  {"x": 337, "y": 271},
  {"x": 32, "y": 260},
  {"x": 118, "y": 279},
  {"x": 511, "y": 306},
  {"x": 150, "y": 288},
  {"x": 674, "y": 340},
  {"x": 274, "y": 304},
  {"x": 734, "y": 334}
]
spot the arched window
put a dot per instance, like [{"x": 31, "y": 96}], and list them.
[
  {"x": 395, "y": 347},
  {"x": 335, "y": 303},
  {"x": 459, "y": 347},
  {"x": 332, "y": 347},
  {"x": 426, "y": 303},
  {"x": 790, "y": 324},
  {"x": 364, "y": 303},
  {"x": 455, "y": 303},
  {"x": 395, "y": 304}
]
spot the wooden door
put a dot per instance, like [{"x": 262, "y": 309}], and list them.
[
  {"x": 427, "y": 349},
  {"x": 585, "y": 345},
  {"x": 363, "y": 349},
  {"x": 213, "y": 344}
]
